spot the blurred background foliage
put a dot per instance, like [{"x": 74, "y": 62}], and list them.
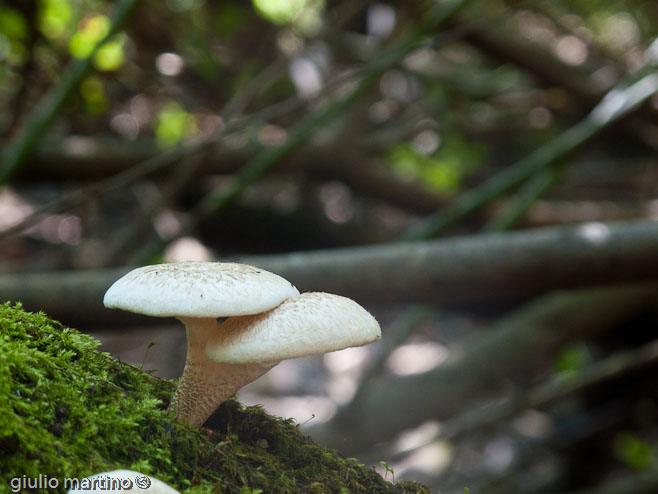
[{"x": 207, "y": 129}]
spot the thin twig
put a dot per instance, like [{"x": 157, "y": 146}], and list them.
[
  {"x": 180, "y": 178},
  {"x": 516, "y": 209},
  {"x": 554, "y": 389},
  {"x": 617, "y": 103},
  {"x": 264, "y": 161},
  {"x": 118, "y": 181}
]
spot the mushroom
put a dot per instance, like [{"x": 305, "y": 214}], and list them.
[
  {"x": 309, "y": 324},
  {"x": 197, "y": 293},
  {"x": 120, "y": 481}
]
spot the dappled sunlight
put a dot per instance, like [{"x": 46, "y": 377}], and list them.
[
  {"x": 306, "y": 76},
  {"x": 287, "y": 386},
  {"x": 380, "y": 20},
  {"x": 169, "y": 64},
  {"x": 342, "y": 387},
  {"x": 337, "y": 202},
  {"x": 187, "y": 249},
  {"x": 619, "y": 31},
  {"x": 533, "y": 424},
  {"x": 430, "y": 459},
  {"x": 125, "y": 125},
  {"x": 499, "y": 454},
  {"x": 289, "y": 43},
  {"x": 208, "y": 124},
  {"x": 305, "y": 410},
  {"x": 571, "y": 50},
  {"x": 13, "y": 208},
  {"x": 534, "y": 27},
  {"x": 415, "y": 438},
  {"x": 348, "y": 360},
  {"x": 398, "y": 86},
  {"x": 167, "y": 223},
  {"x": 60, "y": 229},
  {"x": 270, "y": 135},
  {"x": 141, "y": 108},
  {"x": 52, "y": 228},
  {"x": 287, "y": 377},
  {"x": 80, "y": 145},
  {"x": 344, "y": 370},
  {"x": 540, "y": 117},
  {"x": 594, "y": 232},
  {"x": 426, "y": 141},
  {"x": 416, "y": 358},
  {"x": 383, "y": 110}
]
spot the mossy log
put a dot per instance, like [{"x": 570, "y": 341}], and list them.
[{"x": 68, "y": 411}]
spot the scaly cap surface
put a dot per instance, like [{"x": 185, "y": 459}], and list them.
[{"x": 198, "y": 289}]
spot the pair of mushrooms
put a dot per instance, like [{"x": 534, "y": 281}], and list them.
[{"x": 267, "y": 321}]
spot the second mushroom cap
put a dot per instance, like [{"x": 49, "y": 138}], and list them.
[{"x": 309, "y": 324}]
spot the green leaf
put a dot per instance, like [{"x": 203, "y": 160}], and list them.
[
  {"x": 174, "y": 123},
  {"x": 302, "y": 14},
  {"x": 56, "y": 19},
  {"x": 91, "y": 31},
  {"x": 93, "y": 94},
  {"x": 633, "y": 451},
  {"x": 12, "y": 24},
  {"x": 573, "y": 358},
  {"x": 279, "y": 11},
  {"x": 110, "y": 55},
  {"x": 440, "y": 173}
]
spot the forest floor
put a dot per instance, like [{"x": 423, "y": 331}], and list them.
[{"x": 68, "y": 411}]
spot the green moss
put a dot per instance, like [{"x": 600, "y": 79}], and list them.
[{"x": 69, "y": 411}]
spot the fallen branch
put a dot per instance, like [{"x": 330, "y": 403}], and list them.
[
  {"x": 512, "y": 347},
  {"x": 485, "y": 269},
  {"x": 552, "y": 391}
]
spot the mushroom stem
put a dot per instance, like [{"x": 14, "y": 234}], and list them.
[{"x": 205, "y": 384}]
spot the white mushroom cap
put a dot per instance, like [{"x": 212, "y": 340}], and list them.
[
  {"x": 198, "y": 289},
  {"x": 122, "y": 481},
  {"x": 198, "y": 293},
  {"x": 309, "y": 324}
]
